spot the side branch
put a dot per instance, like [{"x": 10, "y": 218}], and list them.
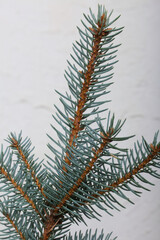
[
  {"x": 14, "y": 225},
  {"x": 24, "y": 159},
  {"x": 2, "y": 171},
  {"x": 106, "y": 140},
  {"x": 154, "y": 153}
]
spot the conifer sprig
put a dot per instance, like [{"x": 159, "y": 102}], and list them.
[
  {"x": 10, "y": 179},
  {"x": 40, "y": 201},
  {"x": 11, "y": 224},
  {"x": 88, "y": 168},
  {"x": 133, "y": 167},
  {"x": 23, "y": 202},
  {"x": 15, "y": 145}
]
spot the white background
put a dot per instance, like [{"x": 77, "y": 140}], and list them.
[{"x": 36, "y": 39}]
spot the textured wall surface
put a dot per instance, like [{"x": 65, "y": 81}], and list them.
[{"x": 36, "y": 39}]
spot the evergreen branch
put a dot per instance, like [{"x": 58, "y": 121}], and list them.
[
  {"x": 154, "y": 153},
  {"x": 89, "y": 167},
  {"x": 18, "y": 224},
  {"x": 97, "y": 34},
  {"x": 14, "y": 226},
  {"x": 16, "y": 145},
  {"x": 24, "y": 201},
  {"x": 138, "y": 166},
  {"x": 16, "y": 186},
  {"x": 97, "y": 154}
]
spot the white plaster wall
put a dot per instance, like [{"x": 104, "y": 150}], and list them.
[{"x": 36, "y": 39}]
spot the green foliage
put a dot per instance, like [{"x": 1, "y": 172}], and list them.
[{"x": 87, "y": 168}]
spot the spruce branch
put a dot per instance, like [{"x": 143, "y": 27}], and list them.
[
  {"x": 7, "y": 216},
  {"x": 23, "y": 202},
  {"x": 135, "y": 170},
  {"x": 88, "y": 168},
  {"x": 17, "y": 146},
  {"x": 19, "y": 189},
  {"x": 41, "y": 200}
]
